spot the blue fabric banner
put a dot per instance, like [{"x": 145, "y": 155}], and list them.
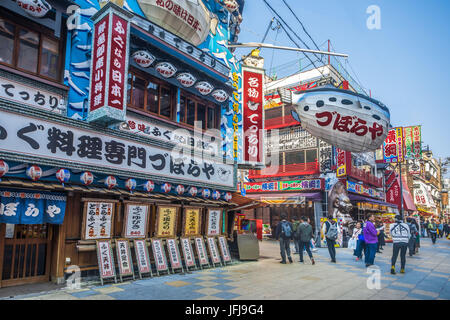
[{"x": 31, "y": 207}]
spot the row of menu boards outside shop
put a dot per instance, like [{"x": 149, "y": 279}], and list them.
[{"x": 98, "y": 222}]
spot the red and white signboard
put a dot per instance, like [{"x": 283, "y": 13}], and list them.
[
  {"x": 105, "y": 259},
  {"x": 174, "y": 254},
  {"x": 109, "y": 67},
  {"x": 158, "y": 253},
  {"x": 187, "y": 252},
  {"x": 142, "y": 256},
  {"x": 124, "y": 257},
  {"x": 253, "y": 122},
  {"x": 224, "y": 249},
  {"x": 201, "y": 252},
  {"x": 213, "y": 250}
]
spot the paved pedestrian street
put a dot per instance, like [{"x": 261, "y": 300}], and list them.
[{"x": 426, "y": 278}]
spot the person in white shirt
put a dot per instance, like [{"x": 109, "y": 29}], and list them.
[{"x": 400, "y": 234}]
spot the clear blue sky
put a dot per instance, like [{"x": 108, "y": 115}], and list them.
[{"x": 406, "y": 64}]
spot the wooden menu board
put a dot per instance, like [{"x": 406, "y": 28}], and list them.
[
  {"x": 214, "y": 222},
  {"x": 166, "y": 221},
  {"x": 97, "y": 220},
  {"x": 192, "y": 221}
]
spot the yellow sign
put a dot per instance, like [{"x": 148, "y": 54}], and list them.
[
  {"x": 191, "y": 222},
  {"x": 166, "y": 218}
]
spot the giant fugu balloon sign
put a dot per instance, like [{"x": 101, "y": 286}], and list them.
[{"x": 346, "y": 120}]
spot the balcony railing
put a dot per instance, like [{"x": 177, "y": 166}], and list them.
[
  {"x": 366, "y": 177},
  {"x": 280, "y": 122},
  {"x": 286, "y": 170}
]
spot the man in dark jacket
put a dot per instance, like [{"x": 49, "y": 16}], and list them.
[
  {"x": 284, "y": 233},
  {"x": 306, "y": 234}
]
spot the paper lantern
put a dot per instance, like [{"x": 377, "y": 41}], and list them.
[
  {"x": 130, "y": 184},
  {"x": 87, "y": 178},
  {"x": 63, "y": 175},
  {"x": 193, "y": 191},
  {"x": 346, "y": 120},
  {"x": 166, "y": 187},
  {"x": 4, "y": 168},
  {"x": 204, "y": 88},
  {"x": 186, "y": 79},
  {"x": 149, "y": 186},
  {"x": 143, "y": 58},
  {"x": 206, "y": 193},
  {"x": 34, "y": 173},
  {"x": 216, "y": 195},
  {"x": 220, "y": 95},
  {"x": 228, "y": 196},
  {"x": 179, "y": 189},
  {"x": 166, "y": 69},
  {"x": 111, "y": 182}
]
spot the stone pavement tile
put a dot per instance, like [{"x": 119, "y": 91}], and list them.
[
  {"x": 425, "y": 293},
  {"x": 223, "y": 287},
  {"x": 83, "y": 294},
  {"x": 396, "y": 287},
  {"x": 207, "y": 283},
  {"x": 402, "y": 284},
  {"x": 392, "y": 293},
  {"x": 208, "y": 297},
  {"x": 208, "y": 291},
  {"x": 206, "y": 278},
  {"x": 99, "y": 297},
  {"x": 419, "y": 296},
  {"x": 177, "y": 283},
  {"x": 54, "y": 296},
  {"x": 226, "y": 295},
  {"x": 242, "y": 291},
  {"x": 109, "y": 290}
]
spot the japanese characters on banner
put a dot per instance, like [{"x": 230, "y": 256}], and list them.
[
  {"x": 31, "y": 96},
  {"x": 166, "y": 219},
  {"x": 30, "y": 207},
  {"x": 136, "y": 218},
  {"x": 413, "y": 142},
  {"x": 214, "y": 222},
  {"x": 109, "y": 67},
  {"x": 28, "y": 135},
  {"x": 213, "y": 250},
  {"x": 174, "y": 254},
  {"x": 97, "y": 220},
  {"x": 124, "y": 257},
  {"x": 253, "y": 124},
  {"x": 159, "y": 255},
  {"x": 393, "y": 146},
  {"x": 341, "y": 162},
  {"x": 292, "y": 185},
  {"x": 393, "y": 193},
  {"x": 191, "y": 222},
  {"x": 105, "y": 259},
  {"x": 224, "y": 249},
  {"x": 189, "y": 259},
  {"x": 236, "y": 107},
  {"x": 142, "y": 256},
  {"x": 362, "y": 189},
  {"x": 201, "y": 252}
]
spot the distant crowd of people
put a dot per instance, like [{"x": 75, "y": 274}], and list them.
[{"x": 368, "y": 238}]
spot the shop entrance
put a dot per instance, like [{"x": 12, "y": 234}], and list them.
[{"x": 26, "y": 255}]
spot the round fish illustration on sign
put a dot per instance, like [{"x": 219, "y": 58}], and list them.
[{"x": 346, "y": 120}]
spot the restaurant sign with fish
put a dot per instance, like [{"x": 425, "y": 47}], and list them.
[{"x": 342, "y": 118}]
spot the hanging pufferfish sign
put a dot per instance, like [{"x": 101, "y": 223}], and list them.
[{"x": 342, "y": 118}]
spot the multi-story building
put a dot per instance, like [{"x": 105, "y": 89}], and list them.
[
  {"x": 444, "y": 195},
  {"x": 96, "y": 102}
]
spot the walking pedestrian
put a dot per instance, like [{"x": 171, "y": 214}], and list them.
[
  {"x": 412, "y": 238},
  {"x": 446, "y": 228},
  {"x": 371, "y": 239},
  {"x": 358, "y": 235},
  {"x": 400, "y": 234},
  {"x": 306, "y": 234},
  {"x": 312, "y": 243},
  {"x": 441, "y": 229},
  {"x": 295, "y": 224},
  {"x": 425, "y": 228},
  {"x": 284, "y": 234},
  {"x": 432, "y": 230},
  {"x": 330, "y": 231},
  {"x": 380, "y": 229}
]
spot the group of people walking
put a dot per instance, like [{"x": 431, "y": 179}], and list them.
[
  {"x": 299, "y": 231},
  {"x": 435, "y": 229},
  {"x": 369, "y": 237}
]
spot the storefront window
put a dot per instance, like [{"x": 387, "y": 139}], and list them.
[
  {"x": 152, "y": 97},
  {"x": 190, "y": 112},
  {"x": 195, "y": 109},
  {"x": 165, "y": 105},
  {"x": 31, "y": 51},
  {"x": 7, "y": 31},
  {"x": 201, "y": 115},
  {"x": 311, "y": 155},
  {"x": 28, "y": 50},
  {"x": 138, "y": 92}
]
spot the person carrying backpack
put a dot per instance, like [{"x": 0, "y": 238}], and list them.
[
  {"x": 371, "y": 239},
  {"x": 401, "y": 234},
  {"x": 412, "y": 239},
  {"x": 432, "y": 230},
  {"x": 295, "y": 224},
  {"x": 306, "y": 234},
  {"x": 330, "y": 231},
  {"x": 284, "y": 233}
]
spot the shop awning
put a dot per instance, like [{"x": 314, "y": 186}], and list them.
[
  {"x": 53, "y": 186},
  {"x": 408, "y": 201},
  {"x": 424, "y": 212},
  {"x": 354, "y": 197}
]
